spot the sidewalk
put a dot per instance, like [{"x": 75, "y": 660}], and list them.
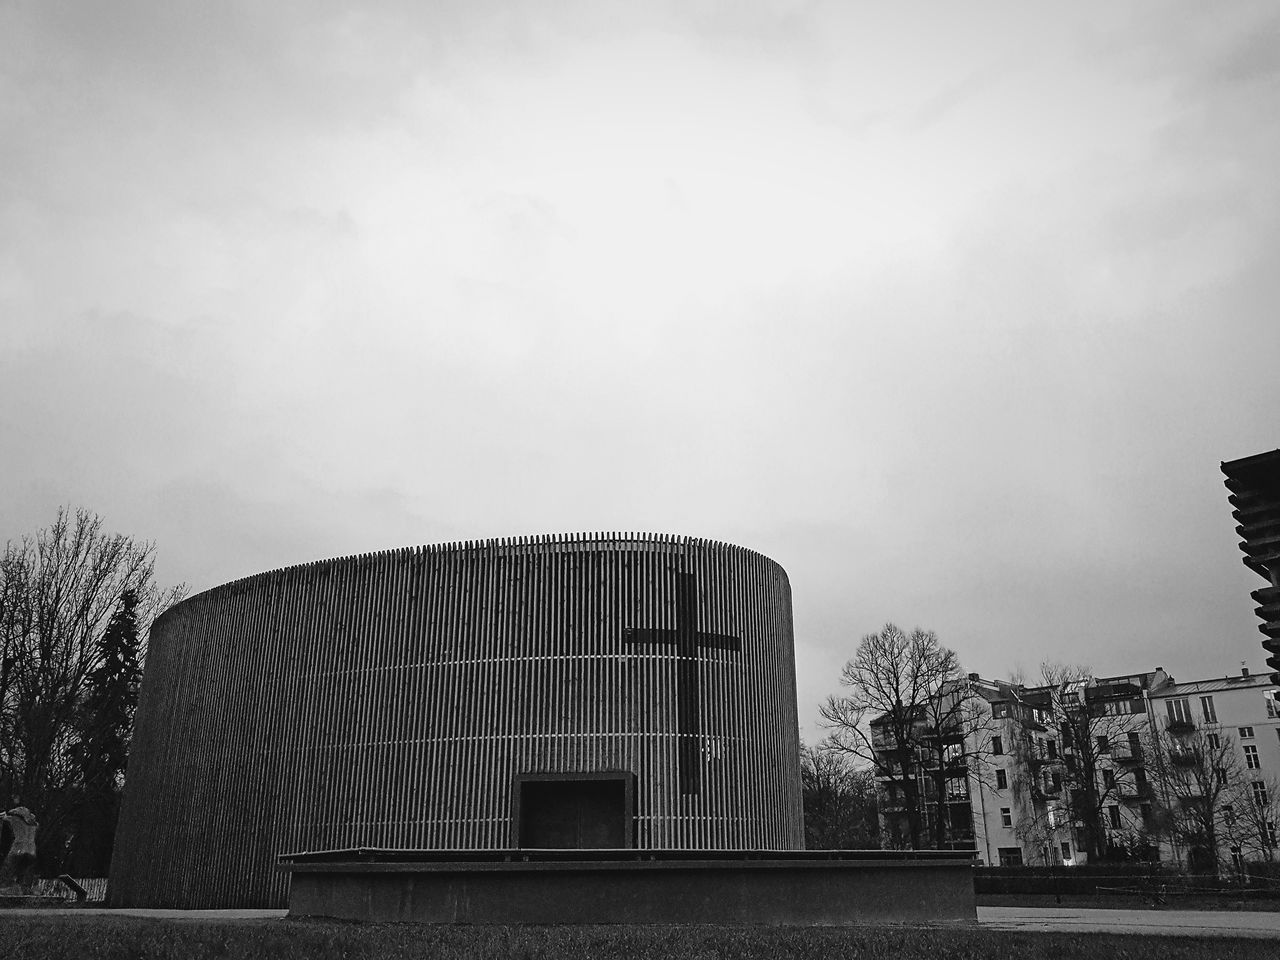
[
  {"x": 146, "y": 913},
  {"x": 1205, "y": 923}
]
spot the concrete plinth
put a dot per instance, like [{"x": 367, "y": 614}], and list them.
[{"x": 771, "y": 888}]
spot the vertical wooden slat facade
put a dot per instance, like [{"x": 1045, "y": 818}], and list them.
[{"x": 390, "y": 700}]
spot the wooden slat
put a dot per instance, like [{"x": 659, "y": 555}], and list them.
[{"x": 391, "y": 699}]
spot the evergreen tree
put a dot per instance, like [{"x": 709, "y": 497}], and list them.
[{"x": 106, "y": 725}]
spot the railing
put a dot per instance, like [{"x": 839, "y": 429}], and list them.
[
  {"x": 1127, "y": 753},
  {"x": 1135, "y": 791}
]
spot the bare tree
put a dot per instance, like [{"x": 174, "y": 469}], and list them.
[
  {"x": 955, "y": 747},
  {"x": 1092, "y": 718},
  {"x": 884, "y": 719},
  {"x": 1036, "y": 779},
  {"x": 58, "y": 591},
  {"x": 839, "y": 801},
  {"x": 1252, "y": 811},
  {"x": 1197, "y": 776}
]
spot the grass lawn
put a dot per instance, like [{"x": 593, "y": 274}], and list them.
[{"x": 94, "y": 937}]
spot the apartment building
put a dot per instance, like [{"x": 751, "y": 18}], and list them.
[
  {"x": 1063, "y": 771},
  {"x": 1222, "y": 740},
  {"x": 1042, "y": 775}
]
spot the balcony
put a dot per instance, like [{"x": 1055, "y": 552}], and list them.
[
  {"x": 1180, "y": 727},
  {"x": 946, "y": 735},
  {"x": 888, "y": 745},
  {"x": 1135, "y": 792},
  {"x": 1126, "y": 753},
  {"x": 1183, "y": 758},
  {"x": 1041, "y": 793}
]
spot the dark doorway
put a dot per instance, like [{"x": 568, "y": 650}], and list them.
[{"x": 573, "y": 811}]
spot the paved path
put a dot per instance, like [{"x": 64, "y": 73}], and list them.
[
  {"x": 147, "y": 913},
  {"x": 1211, "y": 923},
  {"x": 1226, "y": 923}
]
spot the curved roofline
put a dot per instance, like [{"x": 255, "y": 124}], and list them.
[{"x": 459, "y": 546}]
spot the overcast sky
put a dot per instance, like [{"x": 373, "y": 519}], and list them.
[{"x": 951, "y": 309}]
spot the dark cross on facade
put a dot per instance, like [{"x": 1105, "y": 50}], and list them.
[{"x": 687, "y": 640}]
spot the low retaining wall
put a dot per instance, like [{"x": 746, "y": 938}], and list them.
[{"x": 771, "y": 888}]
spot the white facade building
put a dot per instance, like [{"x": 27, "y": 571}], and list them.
[{"x": 1236, "y": 720}]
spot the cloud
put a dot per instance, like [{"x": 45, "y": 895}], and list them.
[{"x": 952, "y": 311}]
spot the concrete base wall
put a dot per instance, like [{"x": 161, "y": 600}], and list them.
[{"x": 771, "y": 892}]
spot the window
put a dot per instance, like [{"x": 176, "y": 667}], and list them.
[
  {"x": 1213, "y": 741},
  {"x": 1146, "y": 816},
  {"x": 1237, "y": 859},
  {"x": 1221, "y": 774},
  {"x": 1066, "y": 849},
  {"x": 1135, "y": 741},
  {"x": 1271, "y": 704},
  {"x": 1002, "y": 780},
  {"x": 1268, "y": 833},
  {"x": 1006, "y": 817},
  {"x": 997, "y": 746},
  {"x": 1246, "y": 733},
  {"x": 1103, "y": 745},
  {"x": 1251, "y": 760},
  {"x": 1010, "y": 856},
  {"x": 1259, "y": 793},
  {"x": 1179, "y": 710},
  {"x": 1228, "y": 814},
  {"x": 1113, "y": 812},
  {"x": 1140, "y": 779},
  {"x": 1206, "y": 706},
  {"x": 1109, "y": 779},
  {"x": 1053, "y": 749}
]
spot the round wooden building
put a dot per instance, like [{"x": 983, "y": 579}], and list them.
[{"x": 606, "y": 690}]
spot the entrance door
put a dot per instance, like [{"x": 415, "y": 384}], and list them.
[{"x": 573, "y": 811}]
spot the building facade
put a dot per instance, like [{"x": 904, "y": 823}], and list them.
[
  {"x": 577, "y": 691},
  {"x": 1133, "y": 767},
  {"x": 1220, "y": 740},
  {"x": 1060, "y": 770}
]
